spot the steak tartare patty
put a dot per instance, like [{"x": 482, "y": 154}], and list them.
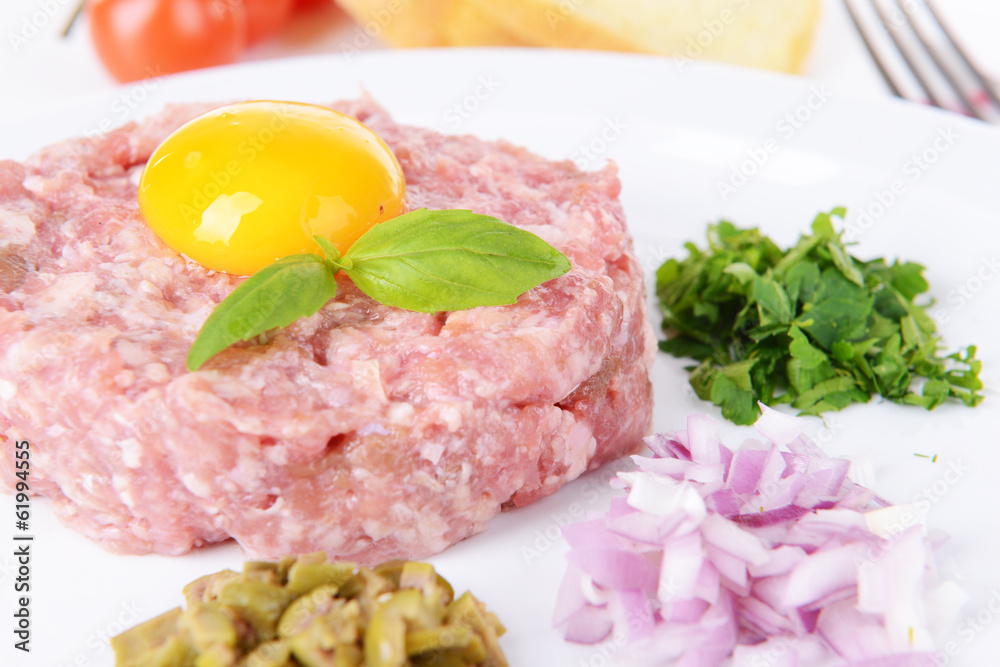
[{"x": 365, "y": 431}]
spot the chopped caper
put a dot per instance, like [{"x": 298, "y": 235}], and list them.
[
  {"x": 264, "y": 571},
  {"x": 152, "y": 644},
  {"x": 348, "y": 655},
  {"x": 475, "y": 652},
  {"x": 440, "y": 659},
  {"x": 305, "y": 576},
  {"x": 275, "y": 653},
  {"x": 422, "y": 576},
  {"x": 438, "y": 639},
  {"x": 299, "y": 615},
  {"x": 307, "y": 612},
  {"x": 259, "y": 603},
  {"x": 385, "y": 639},
  {"x": 468, "y": 610},
  {"x": 218, "y": 655},
  {"x": 206, "y": 589},
  {"x": 207, "y": 626}
]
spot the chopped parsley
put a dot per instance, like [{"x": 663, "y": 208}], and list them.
[{"x": 810, "y": 326}]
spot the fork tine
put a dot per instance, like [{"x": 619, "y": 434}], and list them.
[
  {"x": 945, "y": 66},
  {"x": 911, "y": 58},
  {"x": 941, "y": 72},
  {"x": 871, "y": 49},
  {"x": 987, "y": 84}
]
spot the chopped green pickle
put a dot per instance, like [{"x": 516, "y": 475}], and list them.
[
  {"x": 208, "y": 626},
  {"x": 309, "y": 612}
]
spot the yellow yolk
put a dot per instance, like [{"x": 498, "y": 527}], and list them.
[{"x": 246, "y": 184}]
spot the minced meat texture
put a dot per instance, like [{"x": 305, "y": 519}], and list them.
[{"x": 365, "y": 431}]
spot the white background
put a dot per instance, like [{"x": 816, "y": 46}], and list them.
[
  {"x": 49, "y": 68},
  {"x": 48, "y": 71}
]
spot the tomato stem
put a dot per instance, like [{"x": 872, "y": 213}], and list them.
[{"x": 76, "y": 17}]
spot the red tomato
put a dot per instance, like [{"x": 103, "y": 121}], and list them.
[
  {"x": 306, "y": 5},
  {"x": 265, "y": 17},
  {"x": 140, "y": 38}
]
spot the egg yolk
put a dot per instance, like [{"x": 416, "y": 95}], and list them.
[{"x": 246, "y": 184}]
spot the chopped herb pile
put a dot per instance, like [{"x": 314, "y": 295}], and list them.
[{"x": 811, "y": 326}]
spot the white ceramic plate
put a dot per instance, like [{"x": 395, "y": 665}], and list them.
[{"x": 926, "y": 181}]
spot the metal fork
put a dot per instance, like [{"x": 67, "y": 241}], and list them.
[{"x": 920, "y": 59}]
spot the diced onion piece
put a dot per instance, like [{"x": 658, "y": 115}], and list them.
[{"x": 773, "y": 557}]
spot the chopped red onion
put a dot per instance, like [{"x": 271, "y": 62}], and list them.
[{"x": 766, "y": 556}]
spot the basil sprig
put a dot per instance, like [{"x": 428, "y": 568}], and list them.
[{"x": 426, "y": 261}]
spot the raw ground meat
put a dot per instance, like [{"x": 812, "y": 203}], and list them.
[{"x": 365, "y": 431}]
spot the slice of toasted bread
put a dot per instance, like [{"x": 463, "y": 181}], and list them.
[
  {"x": 407, "y": 23},
  {"x": 770, "y": 34},
  {"x": 416, "y": 23},
  {"x": 466, "y": 24}
]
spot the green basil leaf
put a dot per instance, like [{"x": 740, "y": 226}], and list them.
[
  {"x": 330, "y": 250},
  {"x": 430, "y": 261},
  {"x": 277, "y": 295}
]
